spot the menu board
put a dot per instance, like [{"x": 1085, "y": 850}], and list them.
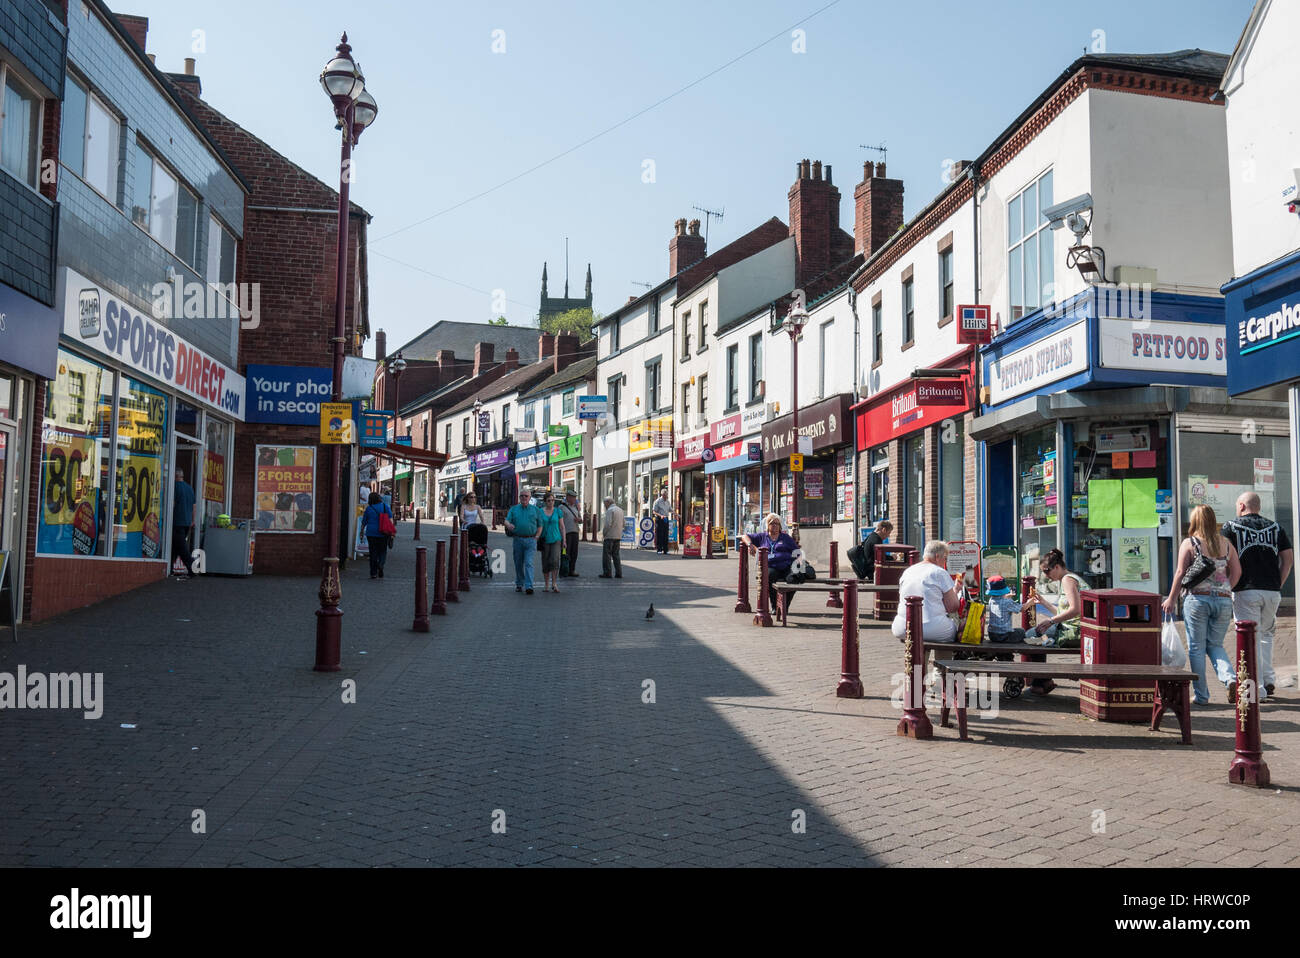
[{"x": 285, "y": 489}]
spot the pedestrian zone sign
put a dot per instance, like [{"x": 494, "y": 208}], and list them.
[{"x": 796, "y": 462}]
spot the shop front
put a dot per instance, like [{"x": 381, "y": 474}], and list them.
[
  {"x": 650, "y": 447},
  {"x": 735, "y": 469},
  {"x": 494, "y": 477},
  {"x": 912, "y": 449},
  {"x": 567, "y": 468},
  {"x": 532, "y": 467},
  {"x": 609, "y": 451},
  {"x": 1083, "y": 453},
  {"x": 453, "y": 481},
  {"x": 131, "y": 410},
  {"x": 29, "y": 345},
  {"x": 825, "y": 486},
  {"x": 690, "y": 493}
]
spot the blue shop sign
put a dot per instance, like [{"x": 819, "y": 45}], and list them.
[
  {"x": 29, "y": 333},
  {"x": 1263, "y": 309},
  {"x": 287, "y": 395}
]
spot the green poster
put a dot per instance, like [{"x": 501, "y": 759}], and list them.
[
  {"x": 1140, "y": 504},
  {"x": 1106, "y": 504}
]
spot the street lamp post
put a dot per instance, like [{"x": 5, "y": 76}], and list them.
[
  {"x": 395, "y": 368},
  {"x": 354, "y": 110},
  {"x": 793, "y": 324}
]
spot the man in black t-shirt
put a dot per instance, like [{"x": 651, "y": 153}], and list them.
[
  {"x": 875, "y": 537},
  {"x": 1266, "y": 558}
]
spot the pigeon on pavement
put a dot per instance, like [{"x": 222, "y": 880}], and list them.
[{"x": 650, "y": 612}]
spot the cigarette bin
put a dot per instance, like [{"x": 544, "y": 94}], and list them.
[
  {"x": 891, "y": 560},
  {"x": 1119, "y": 627}
]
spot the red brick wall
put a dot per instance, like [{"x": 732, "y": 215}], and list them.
[{"x": 61, "y": 584}]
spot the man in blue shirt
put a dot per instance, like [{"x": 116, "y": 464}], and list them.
[
  {"x": 524, "y": 524},
  {"x": 183, "y": 522}
]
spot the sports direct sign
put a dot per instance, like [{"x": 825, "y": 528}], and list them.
[{"x": 103, "y": 323}]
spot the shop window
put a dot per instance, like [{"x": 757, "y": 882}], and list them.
[
  {"x": 187, "y": 420},
  {"x": 1038, "y": 493},
  {"x": 138, "y": 518},
  {"x": 878, "y": 508},
  {"x": 75, "y": 449},
  {"x": 20, "y": 128},
  {"x": 844, "y": 487},
  {"x": 1030, "y": 275},
  {"x": 952, "y": 480},
  {"x": 914, "y": 491}
]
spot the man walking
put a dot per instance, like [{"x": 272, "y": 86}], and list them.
[
  {"x": 572, "y": 523},
  {"x": 611, "y": 534},
  {"x": 1266, "y": 559},
  {"x": 524, "y": 525},
  {"x": 661, "y": 511},
  {"x": 183, "y": 522}
]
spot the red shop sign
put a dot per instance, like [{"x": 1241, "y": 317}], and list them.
[
  {"x": 689, "y": 452},
  {"x": 914, "y": 405},
  {"x": 731, "y": 450},
  {"x": 724, "y": 430}
]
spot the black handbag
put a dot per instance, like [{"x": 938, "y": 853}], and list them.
[
  {"x": 858, "y": 559},
  {"x": 1202, "y": 568}
]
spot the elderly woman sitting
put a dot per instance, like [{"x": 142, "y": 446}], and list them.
[
  {"x": 939, "y": 594},
  {"x": 780, "y": 553}
]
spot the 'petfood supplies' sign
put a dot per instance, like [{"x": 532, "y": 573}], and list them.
[
  {"x": 101, "y": 321},
  {"x": 1055, "y": 357}
]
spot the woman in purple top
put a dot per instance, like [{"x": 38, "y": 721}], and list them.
[{"x": 780, "y": 554}]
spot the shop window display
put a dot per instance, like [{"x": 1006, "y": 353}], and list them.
[
  {"x": 138, "y": 518},
  {"x": 1038, "y": 492}
]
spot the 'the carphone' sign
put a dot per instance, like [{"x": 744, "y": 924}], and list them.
[{"x": 1263, "y": 329}]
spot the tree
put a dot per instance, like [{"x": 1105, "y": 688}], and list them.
[
  {"x": 499, "y": 321},
  {"x": 576, "y": 322}
]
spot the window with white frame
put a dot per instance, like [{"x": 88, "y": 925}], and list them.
[
  {"x": 505, "y": 420},
  {"x": 824, "y": 343},
  {"x": 530, "y": 416},
  {"x": 686, "y": 405},
  {"x": 568, "y": 403},
  {"x": 733, "y": 376},
  {"x": 704, "y": 397},
  {"x": 877, "y": 333},
  {"x": 614, "y": 389},
  {"x": 464, "y": 433},
  {"x": 613, "y": 336},
  {"x": 90, "y": 139},
  {"x": 686, "y": 336},
  {"x": 909, "y": 311},
  {"x": 652, "y": 384},
  {"x": 755, "y": 366},
  {"x": 221, "y": 253},
  {"x": 20, "y": 128},
  {"x": 945, "y": 284},
  {"x": 165, "y": 207},
  {"x": 704, "y": 324},
  {"x": 1030, "y": 275},
  {"x": 446, "y": 439}
]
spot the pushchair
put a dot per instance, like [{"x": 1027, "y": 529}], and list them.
[{"x": 478, "y": 553}]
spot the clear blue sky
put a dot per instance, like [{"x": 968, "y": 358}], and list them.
[{"x": 931, "y": 80}]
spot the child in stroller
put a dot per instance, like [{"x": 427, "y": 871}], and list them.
[{"x": 478, "y": 557}]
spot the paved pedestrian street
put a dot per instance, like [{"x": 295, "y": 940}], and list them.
[{"x": 570, "y": 730}]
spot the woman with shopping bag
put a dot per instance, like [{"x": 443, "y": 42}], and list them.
[{"x": 377, "y": 520}]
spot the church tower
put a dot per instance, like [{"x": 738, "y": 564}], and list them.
[{"x": 553, "y": 306}]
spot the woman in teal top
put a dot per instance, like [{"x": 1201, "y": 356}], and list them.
[{"x": 552, "y": 536}]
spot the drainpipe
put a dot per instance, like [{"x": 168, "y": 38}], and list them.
[{"x": 981, "y": 517}]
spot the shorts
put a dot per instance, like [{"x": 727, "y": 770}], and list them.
[{"x": 550, "y": 556}]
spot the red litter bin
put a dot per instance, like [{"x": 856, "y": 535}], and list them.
[
  {"x": 1118, "y": 627},
  {"x": 891, "y": 560}
]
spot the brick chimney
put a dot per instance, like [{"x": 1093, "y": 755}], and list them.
[
  {"x": 566, "y": 350},
  {"x": 381, "y": 345},
  {"x": 482, "y": 357},
  {"x": 445, "y": 358},
  {"x": 137, "y": 27},
  {"x": 686, "y": 248},
  {"x": 545, "y": 346},
  {"x": 814, "y": 219},
  {"x": 189, "y": 79},
  {"x": 877, "y": 209},
  {"x": 512, "y": 358}
]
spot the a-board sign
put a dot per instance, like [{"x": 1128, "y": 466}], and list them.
[{"x": 964, "y": 561}]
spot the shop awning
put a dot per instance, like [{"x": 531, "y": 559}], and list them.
[{"x": 423, "y": 457}]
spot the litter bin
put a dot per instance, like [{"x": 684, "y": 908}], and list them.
[
  {"x": 1118, "y": 627},
  {"x": 891, "y": 560}
]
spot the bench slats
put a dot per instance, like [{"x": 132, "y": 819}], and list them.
[{"x": 1062, "y": 670}]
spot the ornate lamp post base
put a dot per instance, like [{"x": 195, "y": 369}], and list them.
[{"x": 329, "y": 619}]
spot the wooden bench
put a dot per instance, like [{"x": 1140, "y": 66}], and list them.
[
  {"x": 784, "y": 590},
  {"x": 1173, "y": 685}
]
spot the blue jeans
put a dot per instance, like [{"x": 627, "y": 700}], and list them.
[
  {"x": 525, "y": 546},
  {"x": 1207, "y": 618}
]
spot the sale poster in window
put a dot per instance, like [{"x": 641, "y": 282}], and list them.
[
  {"x": 69, "y": 480},
  {"x": 814, "y": 484},
  {"x": 214, "y": 477},
  {"x": 137, "y": 507},
  {"x": 285, "y": 489}
]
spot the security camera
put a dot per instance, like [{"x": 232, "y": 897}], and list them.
[{"x": 1059, "y": 215}]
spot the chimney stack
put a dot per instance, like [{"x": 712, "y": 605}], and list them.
[
  {"x": 878, "y": 209},
  {"x": 137, "y": 27},
  {"x": 189, "y": 66},
  {"x": 814, "y": 221},
  {"x": 545, "y": 346},
  {"x": 153, "y": 58},
  {"x": 381, "y": 345},
  {"x": 686, "y": 248},
  {"x": 512, "y": 358},
  {"x": 483, "y": 357},
  {"x": 566, "y": 350}
]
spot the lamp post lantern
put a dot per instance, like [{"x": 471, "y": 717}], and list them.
[
  {"x": 793, "y": 324},
  {"x": 354, "y": 110}
]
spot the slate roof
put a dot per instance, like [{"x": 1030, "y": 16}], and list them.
[
  {"x": 582, "y": 370},
  {"x": 461, "y": 338}
]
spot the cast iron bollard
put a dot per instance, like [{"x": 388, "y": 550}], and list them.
[
  {"x": 455, "y": 526},
  {"x": 850, "y": 686},
  {"x": 421, "y": 622},
  {"x": 914, "y": 723},
  {"x": 833, "y": 600},
  {"x": 742, "y": 583},
  {"x": 464, "y": 560},
  {"x": 440, "y": 578},
  {"x": 763, "y": 617},
  {"x": 1248, "y": 766},
  {"x": 417, "y": 525},
  {"x": 453, "y": 568},
  {"x": 1028, "y": 615}
]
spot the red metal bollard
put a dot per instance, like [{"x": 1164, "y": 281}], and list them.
[
  {"x": 440, "y": 578},
  {"x": 421, "y": 622},
  {"x": 417, "y": 525},
  {"x": 763, "y": 616},
  {"x": 742, "y": 582},
  {"x": 464, "y": 560},
  {"x": 1248, "y": 766},
  {"x": 455, "y": 526},
  {"x": 914, "y": 723},
  {"x": 453, "y": 568},
  {"x": 1027, "y": 617},
  {"x": 833, "y": 600},
  {"x": 850, "y": 686}
]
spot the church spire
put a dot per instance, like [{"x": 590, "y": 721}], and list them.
[
  {"x": 588, "y": 284},
  {"x": 543, "y": 280}
]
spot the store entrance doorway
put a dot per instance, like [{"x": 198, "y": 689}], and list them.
[{"x": 189, "y": 457}]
